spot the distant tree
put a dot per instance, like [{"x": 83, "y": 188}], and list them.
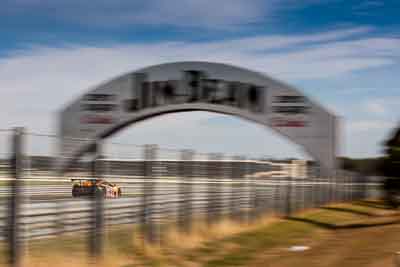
[
  {"x": 348, "y": 164},
  {"x": 391, "y": 169},
  {"x": 366, "y": 166}
]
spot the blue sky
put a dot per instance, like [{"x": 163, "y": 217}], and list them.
[{"x": 345, "y": 54}]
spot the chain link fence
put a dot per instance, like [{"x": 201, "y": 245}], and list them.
[{"x": 160, "y": 186}]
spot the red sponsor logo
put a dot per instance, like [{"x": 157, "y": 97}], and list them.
[
  {"x": 96, "y": 119},
  {"x": 288, "y": 123}
]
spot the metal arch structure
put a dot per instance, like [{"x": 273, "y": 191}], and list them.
[{"x": 197, "y": 86}]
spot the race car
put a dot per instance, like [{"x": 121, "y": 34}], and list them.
[{"x": 91, "y": 187}]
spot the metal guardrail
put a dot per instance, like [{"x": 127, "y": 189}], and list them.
[{"x": 53, "y": 215}]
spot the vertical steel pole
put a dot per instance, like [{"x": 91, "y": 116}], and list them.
[
  {"x": 97, "y": 202},
  {"x": 233, "y": 205},
  {"x": 150, "y": 152},
  {"x": 244, "y": 173},
  {"x": 60, "y": 218},
  {"x": 243, "y": 200},
  {"x": 303, "y": 193},
  {"x": 14, "y": 245},
  {"x": 185, "y": 188},
  {"x": 236, "y": 188},
  {"x": 213, "y": 188},
  {"x": 210, "y": 190},
  {"x": 276, "y": 196},
  {"x": 289, "y": 196},
  {"x": 254, "y": 196},
  {"x": 220, "y": 175}
]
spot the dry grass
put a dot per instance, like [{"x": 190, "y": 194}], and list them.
[
  {"x": 176, "y": 245},
  {"x": 202, "y": 232},
  {"x": 229, "y": 243}
]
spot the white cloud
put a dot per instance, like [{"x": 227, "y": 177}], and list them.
[
  {"x": 365, "y": 137},
  {"x": 375, "y": 107},
  {"x": 58, "y": 74},
  {"x": 38, "y": 81},
  {"x": 382, "y": 106},
  {"x": 369, "y": 125}
]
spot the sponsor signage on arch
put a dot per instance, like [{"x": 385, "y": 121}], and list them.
[{"x": 186, "y": 86}]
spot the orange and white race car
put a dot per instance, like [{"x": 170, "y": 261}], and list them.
[{"x": 91, "y": 187}]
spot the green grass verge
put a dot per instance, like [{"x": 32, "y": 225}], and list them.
[{"x": 246, "y": 246}]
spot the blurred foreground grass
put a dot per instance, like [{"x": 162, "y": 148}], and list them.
[{"x": 363, "y": 233}]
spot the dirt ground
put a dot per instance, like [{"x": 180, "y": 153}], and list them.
[
  {"x": 345, "y": 235},
  {"x": 368, "y": 247}
]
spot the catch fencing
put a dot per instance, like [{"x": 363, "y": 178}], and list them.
[{"x": 159, "y": 187}]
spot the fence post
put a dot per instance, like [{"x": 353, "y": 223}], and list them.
[
  {"x": 244, "y": 173},
  {"x": 59, "y": 217},
  {"x": 315, "y": 192},
  {"x": 150, "y": 154},
  {"x": 185, "y": 188},
  {"x": 363, "y": 181},
  {"x": 303, "y": 193},
  {"x": 213, "y": 195},
  {"x": 288, "y": 210},
  {"x": 292, "y": 197},
  {"x": 232, "y": 199},
  {"x": 330, "y": 189},
  {"x": 254, "y": 196},
  {"x": 236, "y": 185},
  {"x": 97, "y": 202},
  {"x": 276, "y": 195},
  {"x": 335, "y": 187},
  {"x": 13, "y": 232},
  {"x": 351, "y": 178},
  {"x": 220, "y": 175},
  {"x": 346, "y": 188},
  {"x": 339, "y": 187}
]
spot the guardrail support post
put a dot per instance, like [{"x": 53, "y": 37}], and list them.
[{"x": 13, "y": 232}]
